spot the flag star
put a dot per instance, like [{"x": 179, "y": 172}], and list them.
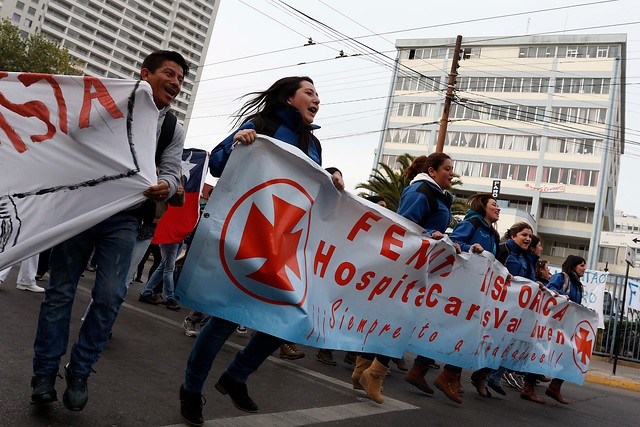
[{"x": 187, "y": 166}]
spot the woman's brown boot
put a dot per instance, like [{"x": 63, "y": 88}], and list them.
[
  {"x": 371, "y": 380},
  {"x": 528, "y": 392},
  {"x": 361, "y": 365},
  {"x": 447, "y": 382},
  {"x": 553, "y": 390}
]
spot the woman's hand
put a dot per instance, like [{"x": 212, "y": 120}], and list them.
[
  {"x": 436, "y": 235},
  {"x": 476, "y": 248},
  {"x": 245, "y": 136}
]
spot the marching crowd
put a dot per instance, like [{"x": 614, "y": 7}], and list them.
[{"x": 121, "y": 244}]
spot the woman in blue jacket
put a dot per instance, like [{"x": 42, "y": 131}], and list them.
[
  {"x": 474, "y": 234},
  {"x": 567, "y": 282},
  {"x": 427, "y": 202},
  {"x": 284, "y": 111}
]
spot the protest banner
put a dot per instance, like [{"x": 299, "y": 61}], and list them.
[
  {"x": 280, "y": 250},
  {"x": 594, "y": 282},
  {"x": 74, "y": 150}
]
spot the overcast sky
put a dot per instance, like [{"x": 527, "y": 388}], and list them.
[{"x": 256, "y": 42}]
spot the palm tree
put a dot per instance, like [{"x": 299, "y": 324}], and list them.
[{"x": 389, "y": 183}]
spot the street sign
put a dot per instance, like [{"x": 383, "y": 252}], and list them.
[
  {"x": 630, "y": 256},
  {"x": 495, "y": 189}
]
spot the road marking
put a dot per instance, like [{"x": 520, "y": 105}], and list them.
[
  {"x": 298, "y": 417},
  {"x": 304, "y": 417}
]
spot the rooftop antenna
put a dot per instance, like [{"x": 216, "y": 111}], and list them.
[{"x": 528, "y": 22}]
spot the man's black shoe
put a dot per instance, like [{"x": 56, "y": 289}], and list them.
[
  {"x": 191, "y": 407},
  {"x": 44, "y": 390},
  {"x": 172, "y": 305},
  {"x": 497, "y": 388},
  {"x": 76, "y": 394},
  {"x": 148, "y": 298},
  {"x": 237, "y": 392}
]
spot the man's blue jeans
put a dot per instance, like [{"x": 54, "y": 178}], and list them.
[
  {"x": 164, "y": 272},
  {"x": 113, "y": 241},
  {"x": 209, "y": 342}
]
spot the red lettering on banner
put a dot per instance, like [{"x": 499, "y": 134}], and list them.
[
  {"x": 458, "y": 346},
  {"x": 560, "y": 315},
  {"x": 421, "y": 256},
  {"x": 389, "y": 240},
  {"x": 335, "y": 306},
  {"x": 449, "y": 261},
  {"x": 393, "y": 292},
  {"x": 396, "y": 333},
  {"x": 410, "y": 286},
  {"x": 102, "y": 95},
  {"x": 454, "y": 306},
  {"x": 472, "y": 310},
  {"x": 322, "y": 258},
  {"x": 365, "y": 280},
  {"x": 421, "y": 333},
  {"x": 351, "y": 271},
  {"x": 362, "y": 224},
  {"x": 28, "y": 79},
  {"x": 380, "y": 287},
  {"x": 29, "y": 109},
  {"x": 547, "y": 310}
]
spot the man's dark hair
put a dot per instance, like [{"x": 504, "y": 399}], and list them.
[{"x": 155, "y": 60}]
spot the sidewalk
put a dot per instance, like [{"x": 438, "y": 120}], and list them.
[{"x": 601, "y": 372}]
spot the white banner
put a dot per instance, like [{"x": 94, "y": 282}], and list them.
[
  {"x": 73, "y": 151},
  {"x": 633, "y": 295},
  {"x": 594, "y": 282},
  {"x": 280, "y": 250}
]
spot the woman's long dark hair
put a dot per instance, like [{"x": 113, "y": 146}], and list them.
[
  {"x": 264, "y": 104},
  {"x": 569, "y": 265},
  {"x": 422, "y": 164}
]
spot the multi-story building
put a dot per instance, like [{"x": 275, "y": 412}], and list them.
[
  {"x": 544, "y": 115},
  {"x": 110, "y": 38}
]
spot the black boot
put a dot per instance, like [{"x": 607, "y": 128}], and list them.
[
  {"x": 43, "y": 390},
  {"x": 191, "y": 407},
  {"x": 237, "y": 392}
]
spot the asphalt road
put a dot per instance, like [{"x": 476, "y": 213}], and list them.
[{"x": 138, "y": 375}]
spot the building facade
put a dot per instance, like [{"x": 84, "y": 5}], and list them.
[
  {"x": 110, "y": 38},
  {"x": 544, "y": 115}
]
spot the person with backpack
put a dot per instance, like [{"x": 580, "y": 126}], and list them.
[
  {"x": 475, "y": 233},
  {"x": 285, "y": 111},
  {"x": 113, "y": 240},
  {"x": 567, "y": 282},
  {"x": 427, "y": 202}
]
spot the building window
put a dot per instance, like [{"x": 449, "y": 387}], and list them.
[
  {"x": 16, "y": 17},
  {"x": 564, "y": 249},
  {"x": 19, "y": 5},
  {"x": 27, "y": 22},
  {"x": 562, "y": 212},
  {"x": 31, "y": 11}
]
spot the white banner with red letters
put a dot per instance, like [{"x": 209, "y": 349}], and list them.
[
  {"x": 73, "y": 151},
  {"x": 280, "y": 250}
]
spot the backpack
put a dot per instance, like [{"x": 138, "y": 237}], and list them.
[{"x": 567, "y": 283}]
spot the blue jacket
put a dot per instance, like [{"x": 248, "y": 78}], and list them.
[
  {"x": 289, "y": 123},
  {"x": 414, "y": 205},
  {"x": 517, "y": 261},
  {"x": 556, "y": 283},
  {"x": 468, "y": 232}
]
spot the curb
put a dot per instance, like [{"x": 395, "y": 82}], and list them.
[{"x": 613, "y": 382}]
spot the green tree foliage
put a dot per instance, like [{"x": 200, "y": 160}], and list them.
[
  {"x": 35, "y": 54},
  {"x": 389, "y": 183}
]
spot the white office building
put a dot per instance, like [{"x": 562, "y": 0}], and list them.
[
  {"x": 544, "y": 115},
  {"x": 110, "y": 38}
]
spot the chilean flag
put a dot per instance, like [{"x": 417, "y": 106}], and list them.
[{"x": 178, "y": 222}]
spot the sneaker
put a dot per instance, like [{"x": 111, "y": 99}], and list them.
[
  {"x": 519, "y": 379},
  {"x": 401, "y": 364},
  {"x": 30, "y": 288},
  {"x": 237, "y": 392},
  {"x": 326, "y": 357},
  {"x": 172, "y": 305},
  {"x": 191, "y": 407},
  {"x": 189, "y": 328},
  {"x": 289, "y": 351},
  {"x": 241, "y": 329},
  {"x": 350, "y": 357},
  {"x": 147, "y": 298},
  {"x": 76, "y": 394},
  {"x": 44, "y": 390},
  {"x": 497, "y": 388}
]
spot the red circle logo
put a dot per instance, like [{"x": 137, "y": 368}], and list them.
[
  {"x": 263, "y": 242},
  {"x": 583, "y": 339}
]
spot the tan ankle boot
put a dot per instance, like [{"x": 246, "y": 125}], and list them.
[
  {"x": 553, "y": 390},
  {"x": 447, "y": 382},
  {"x": 529, "y": 393},
  {"x": 371, "y": 380},
  {"x": 415, "y": 376},
  {"x": 361, "y": 365}
]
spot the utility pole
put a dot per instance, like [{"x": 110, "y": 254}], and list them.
[{"x": 447, "y": 101}]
